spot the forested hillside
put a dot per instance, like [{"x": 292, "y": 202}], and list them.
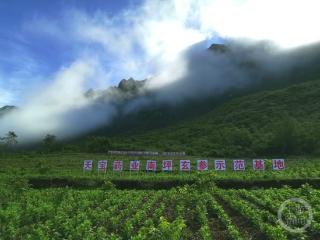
[{"x": 276, "y": 122}]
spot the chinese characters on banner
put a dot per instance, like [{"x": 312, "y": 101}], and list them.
[
  {"x": 278, "y": 164},
  {"x": 258, "y": 164},
  {"x": 151, "y": 165},
  {"x": 87, "y": 165},
  {"x": 102, "y": 166},
  {"x": 239, "y": 165},
  {"x": 134, "y": 165},
  {"x": 220, "y": 165},
  {"x": 167, "y": 165},
  {"x": 117, "y": 165},
  {"x": 185, "y": 166},
  {"x": 202, "y": 165}
]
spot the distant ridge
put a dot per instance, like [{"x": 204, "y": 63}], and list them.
[{"x": 6, "y": 109}]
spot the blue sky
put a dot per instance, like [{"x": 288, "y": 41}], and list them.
[
  {"x": 30, "y": 56},
  {"x": 41, "y": 39}
]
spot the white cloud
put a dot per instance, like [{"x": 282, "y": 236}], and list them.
[
  {"x": 149, "y": 40},
  {"x": 49, "y": 109},
  {"x": 288, "y": 23}
]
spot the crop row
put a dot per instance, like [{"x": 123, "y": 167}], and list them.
[
  {"x": 261, "y": 208},
  {"x": 179, "y": 213}
]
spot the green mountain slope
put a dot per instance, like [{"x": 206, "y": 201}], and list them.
[
  {"x": 279, "y": 71},
  {"x": 275, "y": 122}
]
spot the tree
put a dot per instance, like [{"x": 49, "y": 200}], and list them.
[
  {"x": 49, "y": 142},
  {"x": 11, "y": 139},
  {"x": 2, "y": 145},
  {"x": 97, "y": 144},
  {"x": 285, "y": 139}
]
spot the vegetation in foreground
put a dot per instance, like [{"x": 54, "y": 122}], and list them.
[
  {"x": 192, "y": 206},
  {"x": 196, "y": 212}
]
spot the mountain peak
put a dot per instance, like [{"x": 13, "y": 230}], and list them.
[
  {"x": 217, "y": 47},
  {"x": 130, "y": 84}
]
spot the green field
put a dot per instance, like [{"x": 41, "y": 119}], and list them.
[
  {"x": 71, "y": 164},
  {"x": 47, "y": 196}
]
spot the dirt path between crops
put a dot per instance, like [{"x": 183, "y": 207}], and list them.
[
  {"x": 245, "y": 226},
  {"x": 218, "y": 230}
]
